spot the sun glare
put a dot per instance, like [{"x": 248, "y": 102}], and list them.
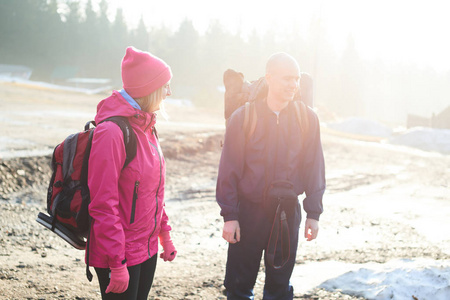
[{"x": 409, "y": 31}]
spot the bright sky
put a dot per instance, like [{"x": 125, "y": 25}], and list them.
[{"x": 394, "y": 30}]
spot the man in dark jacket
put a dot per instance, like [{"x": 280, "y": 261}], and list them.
[{"x": 249, "y": 166}]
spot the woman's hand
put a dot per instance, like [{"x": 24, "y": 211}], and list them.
[
  {"x": 169, "y": 252},
  {"x": 119, "y": 280}
]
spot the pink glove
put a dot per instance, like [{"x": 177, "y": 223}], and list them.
[
  {"x": 119, "y": 280},
  {"x": 169, "y": 249}
]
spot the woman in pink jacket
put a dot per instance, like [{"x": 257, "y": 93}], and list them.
[{"x": 127, "y": 204}]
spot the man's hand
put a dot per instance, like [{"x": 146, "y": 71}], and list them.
[
  {"x": 231, "y": 231},
  {"x": 311, "y": 229}
]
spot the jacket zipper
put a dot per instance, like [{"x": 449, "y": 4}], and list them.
[
  {"x": 277, "y": 145},
  {"x": 156, "y": 197},
  {"x": 149, "y": 124},
  {"x": 135, "y": 197}
]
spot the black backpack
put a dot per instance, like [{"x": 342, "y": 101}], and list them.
[{"x": 68, "y": 195}]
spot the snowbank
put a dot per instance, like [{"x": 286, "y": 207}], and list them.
[
  {"x": 424, "y": 138},
  {"x": 428, "y": 139},
  {"x": 362, "y": 126},
  {"x": 396, "y": 279},
  {"x": 40, "y": 84}
]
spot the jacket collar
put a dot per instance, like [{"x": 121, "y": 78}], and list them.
[{"x": 129, "y": 99}]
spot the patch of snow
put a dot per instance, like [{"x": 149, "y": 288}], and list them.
[
  {"x": 428, "y": 139},
  {"x": 362, "y": 126},
  {"x": 12, "y": 122},
  {"x": 396, "y": 279},
  {"x": 24, "y": 153},
  {"x": 56, "y": 113},
  {"x": 55, "y": 86},
  {"x": 15, "y": 142}
]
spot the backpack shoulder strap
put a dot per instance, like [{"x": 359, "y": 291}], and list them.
[
  {"x": 250, "y": 118},
  {"x": 301, "y": 114},
  {"x": 129, "y": 137}
]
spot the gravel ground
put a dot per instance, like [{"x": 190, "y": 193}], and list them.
[{"x": 410, "y": 187}]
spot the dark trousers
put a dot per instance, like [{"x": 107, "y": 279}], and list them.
[
  {"x": 141, "y": 279},
  {"x": 244, "y": 257}
]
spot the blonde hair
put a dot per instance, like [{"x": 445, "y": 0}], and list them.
[{"x": 151, "y": 102}]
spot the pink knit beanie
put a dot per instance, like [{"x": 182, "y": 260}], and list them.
[{"x": 143, "y": 73}]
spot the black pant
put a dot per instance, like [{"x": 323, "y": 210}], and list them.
[
  {"x": 244, "y": 257},
  {"x": 141, "y": 279}
]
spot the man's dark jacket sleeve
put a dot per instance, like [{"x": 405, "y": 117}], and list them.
[
  {"x": 313, "y": 170},
  {"x": 231, "y": 167}
]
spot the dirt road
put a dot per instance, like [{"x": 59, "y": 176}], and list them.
[{"x": 382, "y": 202}]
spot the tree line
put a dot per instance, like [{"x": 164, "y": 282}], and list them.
[{"x": 47, "y": 35}]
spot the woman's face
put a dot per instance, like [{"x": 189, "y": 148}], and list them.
[{"x": 165, "y": 92}]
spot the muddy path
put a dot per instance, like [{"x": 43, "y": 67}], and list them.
[{"x": 38, "y": 265}]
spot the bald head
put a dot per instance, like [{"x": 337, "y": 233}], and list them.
[
  {"x": 280, "y": 61},
  {"x": 283, "y": 79}
]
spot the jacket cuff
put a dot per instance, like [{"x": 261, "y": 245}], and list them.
[
  {"x": 230, "y": 217},
  {"x": 314, "y": 216},
  {"x": 163, "y": 236},
  {"x": 117, "y": 264},
  {"x": 124, "y": 266}
]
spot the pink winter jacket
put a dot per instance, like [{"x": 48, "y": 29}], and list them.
[{"x": 127, "y": 206}]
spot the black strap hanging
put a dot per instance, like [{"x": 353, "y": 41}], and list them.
[{"x": 282, "y": 193}]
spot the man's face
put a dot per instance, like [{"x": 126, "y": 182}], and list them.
[{"x": 284, "y": 81}]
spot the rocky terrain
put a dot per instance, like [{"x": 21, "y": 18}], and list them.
[{"x": 382, "y": 202}]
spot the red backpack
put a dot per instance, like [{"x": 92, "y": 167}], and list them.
[{"x": 68, "y": 192}]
